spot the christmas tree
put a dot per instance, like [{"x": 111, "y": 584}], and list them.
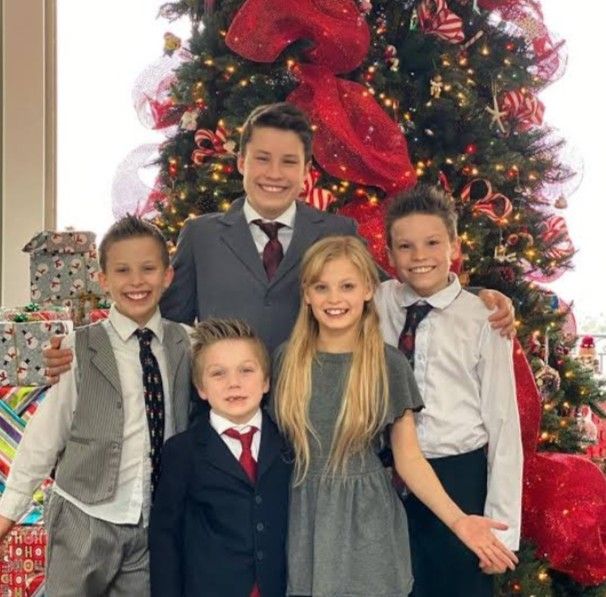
[{"x": 443, "y": 91}]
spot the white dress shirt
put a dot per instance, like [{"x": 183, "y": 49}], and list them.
[
  {"x": 46, "y": 435},
  {"x": 284, "y": 234},
  {"x": 464, "y": 370},
  {"x": 221, "y": 424}
]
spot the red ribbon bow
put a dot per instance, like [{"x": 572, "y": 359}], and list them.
[
  {"x": 555, "y": 234},
  {"x": 209, "y": 144},
  {"x": 523, "y": 107},
  {"x": 437, "y": 19},
  {"x": 315, "y": 196},
  {"x": 493, "y": 205},
  {"x": 263, "y": 29}
]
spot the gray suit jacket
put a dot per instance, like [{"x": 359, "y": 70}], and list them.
[
  {"x": 218, "y": 271},
  {"x": 88, "y": 468}
]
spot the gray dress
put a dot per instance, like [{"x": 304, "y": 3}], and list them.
[{"x": 348, "y": 535}]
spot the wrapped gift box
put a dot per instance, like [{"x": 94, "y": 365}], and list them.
[
  {"x": 22, "y": 564},
  {"x": 63, "y": 265},
  {"x": 21, "y": 346},
  {"x": 33, "y": 312}
]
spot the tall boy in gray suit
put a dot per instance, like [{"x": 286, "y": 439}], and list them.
[{"x": 103, "y": 425}]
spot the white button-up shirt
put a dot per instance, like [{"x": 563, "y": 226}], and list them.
[
  {"x": 464, "y": 370},
  {"x": 46, "y": 435},
  {"x": 284, "y": 234},
  {"x": 221, "y": 424}
]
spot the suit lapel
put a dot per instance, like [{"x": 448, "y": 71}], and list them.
[
  {"x": 216, "y": 452},
  {"x": 306, "y": 232},
  {"x": 236, "y": 235},
  {"x": 175, "y": 349},
  {"x": 270, "y": 448},
  {"x": 103, "y": 358}
]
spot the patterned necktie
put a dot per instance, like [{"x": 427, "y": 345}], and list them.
[
  {"x": 414, "y": 316},
  {"x": 154, "y": 401},
  {"x": 249, "y": 464},
  {"x": 273, "y": 251}
]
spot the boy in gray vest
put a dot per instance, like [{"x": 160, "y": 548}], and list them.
[{"x": 102, "y": 427}]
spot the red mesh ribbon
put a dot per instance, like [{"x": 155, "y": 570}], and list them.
[
  {"x": 523, "y": 107},
  {"x": 437, "y": 19},
  {"x": 263, "y": 29},
  {"x": 527, "y": 16},
  {"x": 564, "y": 498},
  {"x": 313, "y": 195},
  {"x": 370, "y": 216},
  {"x": 355, "y": 140}
]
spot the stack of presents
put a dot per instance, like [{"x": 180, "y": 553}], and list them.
[{"x": 64, "y": 293}]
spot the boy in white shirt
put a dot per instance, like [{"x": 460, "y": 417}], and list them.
[
  {"x": 103, "y": 425},
  {"x": 469, "y": 430}
]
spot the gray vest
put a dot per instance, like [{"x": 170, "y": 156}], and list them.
[{"x": 88, "y": 468}]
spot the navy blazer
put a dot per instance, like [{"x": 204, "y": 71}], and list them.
[
  {"x": 219, "y": 273},
  {"x": 213, "y": 532}
]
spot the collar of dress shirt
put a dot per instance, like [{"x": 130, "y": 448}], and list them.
[
  {"x": 221, "y": 424},
  {"x": 439, "y": 300},
  {"x": 125, "y": 327},
  {"x": 287, "y": 218}
]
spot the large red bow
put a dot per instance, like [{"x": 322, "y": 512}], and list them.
[
  {"x": 354, "y": 139},
  {"x": 262, "y": 29},
  {"x": 523, "y": 107},
  {"x": 564, "y": 498},
  {"x": 209, "y": 144},
  {"x": 437, "y": 19}
]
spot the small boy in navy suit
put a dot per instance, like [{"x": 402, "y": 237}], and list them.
[{"x": 219, "y": 519}]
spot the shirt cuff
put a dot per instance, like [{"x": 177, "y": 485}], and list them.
[
  {"x": 14, "y": 504},
  {"x": 510, "y": 538}
]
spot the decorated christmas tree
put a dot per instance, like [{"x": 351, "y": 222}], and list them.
[{"x": 399, "y": 91}]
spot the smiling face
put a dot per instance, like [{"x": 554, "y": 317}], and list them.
[
  {"x": 337, "y": 300},
  {"x": 273, "y": 168},
  {"x": 232, "y": 379},
  {"x": 421, "y": 252},
  {"x": 135, "y": 277}
]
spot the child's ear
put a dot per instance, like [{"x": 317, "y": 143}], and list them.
[
  {"x": 455, "y": 252},
  {"x": 201, "y": 392},
  {"x": 392, "y": 261},
  {"x": 102, "y": 278},
  {"x": 266, "y": 386},
  {"x": 169, "y": 274},
  {"x": 240, "y": 162}
]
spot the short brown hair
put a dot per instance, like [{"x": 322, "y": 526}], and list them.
[
  {"x": 131, "y": 227},
  {"x": 211, "y": 331},
  {"x": 282, "y": 116},
  {"x": 422, "y": 199}
]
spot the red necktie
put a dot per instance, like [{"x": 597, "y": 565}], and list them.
[
  {"x": 249, "y": 464},
  {"x": 414, "y": 316},
  {"x": 273, "y": 251}
]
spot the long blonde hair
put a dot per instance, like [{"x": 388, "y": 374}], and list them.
[{"x": 365, "y": 396}]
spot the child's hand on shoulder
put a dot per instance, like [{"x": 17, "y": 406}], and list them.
[
  {"x": 493, "y": 569},
  {"x": 476, "y": 533}
]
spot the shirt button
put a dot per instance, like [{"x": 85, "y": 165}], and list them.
[
  {"x": 258, "y": 499},
  {"x": 115, "y": 447},
  {"x": 260, "y": 555},
  {"x": 260, "y": 526}
]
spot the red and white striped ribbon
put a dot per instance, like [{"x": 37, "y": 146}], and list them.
[{"x": 437, "y": 19}]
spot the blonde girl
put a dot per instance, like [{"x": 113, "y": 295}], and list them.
[{"x": 337, "y": 389}]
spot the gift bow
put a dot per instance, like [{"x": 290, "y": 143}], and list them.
[
  {"x": 218, "y": 144},
  {"x": 524, "y": 107},
  {"x": 313, "y": 195},
  {"x": 437, "y": 19},
  {"x": 555, "y": 233},
  {"x": 495, "y": 206}
]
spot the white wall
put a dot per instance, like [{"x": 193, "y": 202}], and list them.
[{"x": 27, "y": 181}]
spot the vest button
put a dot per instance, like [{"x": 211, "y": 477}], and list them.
[
  {"x": 119, "y": 405},
  {"x": 260, "y": 526},
  {"x": 260, "y": 555},
  {"x": 258, "y": 499}
]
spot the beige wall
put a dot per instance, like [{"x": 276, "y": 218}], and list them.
[{"x": 27, "y": 152}]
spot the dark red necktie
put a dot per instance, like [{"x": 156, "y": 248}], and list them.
[
  {"x": 154, "y": 401},
  {"x": 249, "y": 464},
  {"x": 273, "y": 251},
  {"x": 414, "y": 316}
]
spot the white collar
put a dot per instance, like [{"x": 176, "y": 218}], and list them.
[
  {"x": 440, "y": 300},
  {"x": 125, "y": 327},
  {"x": 287, "y": 217}
]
